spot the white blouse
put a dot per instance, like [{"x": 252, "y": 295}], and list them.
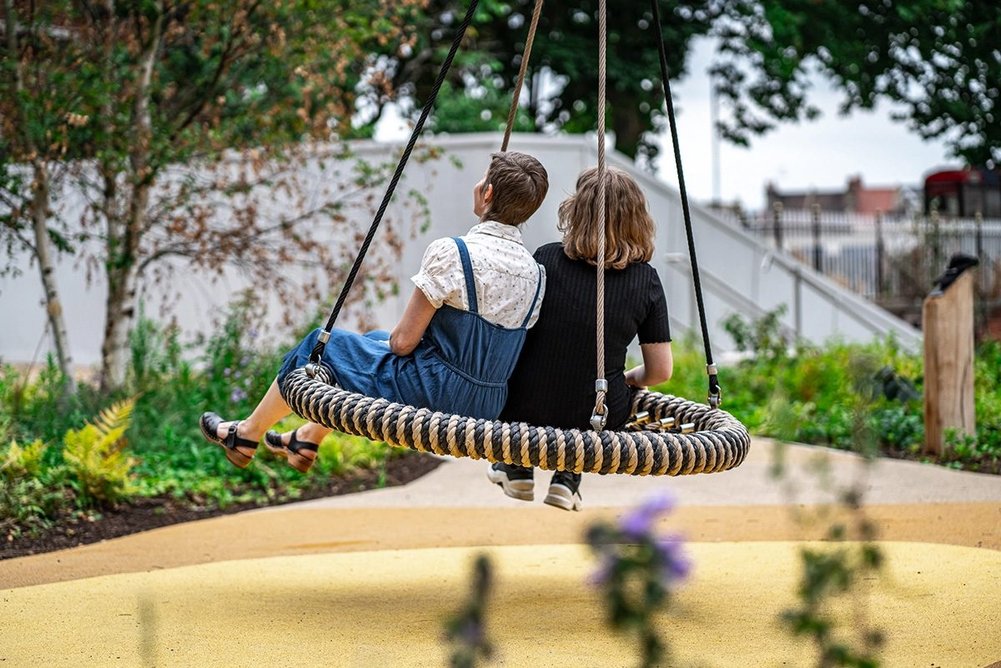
[{"x": 504, "y": 272}]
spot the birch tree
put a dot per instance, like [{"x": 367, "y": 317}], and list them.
[
  {"x": 197, "y": 115},
  {"x": 35, "y": 133}
]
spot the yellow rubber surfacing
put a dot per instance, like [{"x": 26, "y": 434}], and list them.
[{"x": 939, "y": 605}]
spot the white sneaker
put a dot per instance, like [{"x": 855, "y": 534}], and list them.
[{"x": 517, "y": 482}]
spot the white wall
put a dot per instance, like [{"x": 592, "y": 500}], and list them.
[{"x": 738, "y": 273}]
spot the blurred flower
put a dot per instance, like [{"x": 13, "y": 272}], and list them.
[
  {"x": 604, "y": 573},
  {"x": 674, "y": 564},
  {"x": 639, "y": 522},
  {"x": 470, "y": 632},
  {"x": 237, "y": 395}
]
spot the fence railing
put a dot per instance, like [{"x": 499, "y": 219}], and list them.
[{"x": 884, "y": 258}]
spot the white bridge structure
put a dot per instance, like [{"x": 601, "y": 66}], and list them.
[{"x": 739, "y": 273}]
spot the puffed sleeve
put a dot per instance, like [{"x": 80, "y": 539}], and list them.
[{"x": 440, "y": 277}]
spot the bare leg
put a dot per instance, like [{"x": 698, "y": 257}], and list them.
[
  {"x": 269, "y": 410},
  {"x": 308, "y": 437},
  {"x": 309, "y": 432}
]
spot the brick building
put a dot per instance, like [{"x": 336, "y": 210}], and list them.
[{"x": 855, "y": 198}]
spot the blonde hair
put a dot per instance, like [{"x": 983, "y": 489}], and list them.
[{"x": 627, "y": 225}]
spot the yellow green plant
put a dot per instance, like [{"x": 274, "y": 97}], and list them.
[
  {"x": 21, "y": 462},
  {"x": 96, "y": 458}
]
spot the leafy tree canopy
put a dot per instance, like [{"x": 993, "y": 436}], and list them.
[{"x": 937, "y": 61}]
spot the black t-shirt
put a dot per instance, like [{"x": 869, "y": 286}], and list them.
[{"x": 553, "y": 383}]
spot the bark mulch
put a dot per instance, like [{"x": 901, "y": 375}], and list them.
[{"x": 151, "y": 513}]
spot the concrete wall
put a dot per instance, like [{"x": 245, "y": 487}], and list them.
[{"x": 739, "y": 274}]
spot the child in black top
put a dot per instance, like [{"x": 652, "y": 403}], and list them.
[{"x": 553, "y": 383}]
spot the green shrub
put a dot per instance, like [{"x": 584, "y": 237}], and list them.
[
  {"x": 26, "y": 461},
  {"x": 32, "y": 495},
  {"x": 28, "y": 506},
  {"x": 96, "y": 458},
  {"x": 811, "y": 394}
]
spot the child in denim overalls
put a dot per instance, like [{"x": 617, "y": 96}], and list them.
[{"x": 458, "y": 340}]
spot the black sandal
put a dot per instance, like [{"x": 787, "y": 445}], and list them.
[
  {"x": 210, "y": 430},
  {"x": 291, "y": 452}
]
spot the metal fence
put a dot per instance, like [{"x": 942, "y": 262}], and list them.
[{"x": 884, "y": 258}]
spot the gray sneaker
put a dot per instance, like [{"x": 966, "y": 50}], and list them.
[
  {"x": 517, "y": 481},
  {"x": 564, "y": 491}
]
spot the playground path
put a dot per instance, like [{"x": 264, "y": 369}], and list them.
[{"x": 368, "y": 578}]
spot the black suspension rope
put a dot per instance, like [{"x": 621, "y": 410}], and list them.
[
  {"x": 317, "y": 351},
  {"x": 714, "y": 389}
]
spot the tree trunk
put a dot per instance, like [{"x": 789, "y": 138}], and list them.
[
  {"x": 125, "y": 235},
  {"x": 43, "y": 246},
  {"x": 628, "y": 127},
  {"x": 40, "y": 201},
  {"x": 122, "y": 284}
]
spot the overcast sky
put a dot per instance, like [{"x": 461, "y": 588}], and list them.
[{"x": 820, "y": 154}]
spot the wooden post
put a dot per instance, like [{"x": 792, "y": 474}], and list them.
[{"x": 947, "y": 320}]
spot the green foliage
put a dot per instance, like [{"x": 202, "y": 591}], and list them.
[
  {"x": 71, "y": 463},
  {"x": 861, "y": 397},
  {"x": 934, "y": 60},
  {"x": 38, "y": 408},
  {"x": 637, "y": 572},
  {"x": 829, "y": 574},
  {"x": 810, "y": 394},
  {"x": 96, "y": 458},
  {"x": 565, "y": 52},
  {"x": 31, "y": 494},
  {"x": 235, "y": 369},
  {"x": 26, "y": 461},
  {"x": 481, "y": 109},
  {"x": 28, "y": 505}
]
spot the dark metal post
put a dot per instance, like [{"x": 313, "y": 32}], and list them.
[
  {"x": 936, "y": 244},
  {"x": 880, "y": 251},
  {"x": 817, "y": 250},
  {"x": 777, "y": 224},
  {"x": 978, "y": 220},
  {"x": 798, "y": 302},
  {"x": 980, "y": 288}
]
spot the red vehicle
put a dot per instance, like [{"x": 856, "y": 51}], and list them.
[{"x": 963, "y": 193}]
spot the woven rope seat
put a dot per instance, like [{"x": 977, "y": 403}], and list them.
[{"x": 718, "y": 443}]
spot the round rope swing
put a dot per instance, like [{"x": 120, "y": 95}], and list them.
[{"x": 667, "y": 435}]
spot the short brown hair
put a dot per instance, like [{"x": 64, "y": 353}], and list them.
[
  {"x": 520, "y": 184},
  {"x": 627, "y": 225}
]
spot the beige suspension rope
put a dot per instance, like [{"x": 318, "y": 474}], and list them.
[
  {"x": 600, "y": 414},
  {"x": 526, "y": 54}
]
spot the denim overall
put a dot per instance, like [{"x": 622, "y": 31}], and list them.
[{"x": 461, "y": 365}]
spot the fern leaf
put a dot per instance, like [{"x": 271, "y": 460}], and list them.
[{"x": 115, "y": 416}]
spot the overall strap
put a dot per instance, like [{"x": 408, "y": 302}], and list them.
[
  {"x": 535, "y": 299},
  {"x": 467, "y": 272}
]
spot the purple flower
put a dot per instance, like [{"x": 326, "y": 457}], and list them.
[
  {"x": 237, "y": 395},
  {"x": 639, "y": 522},
  {"x": 601, "y": 576},
  {"x": 471, "y": 633},
  {"x": 674, "y": 564}
]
